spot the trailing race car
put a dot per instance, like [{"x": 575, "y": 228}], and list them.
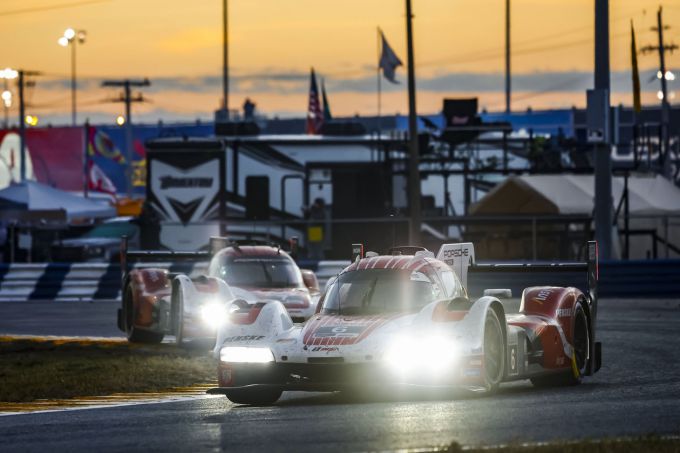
[
  {"x": 157, "y": 302},
  {"x": 408, "y": 320}
]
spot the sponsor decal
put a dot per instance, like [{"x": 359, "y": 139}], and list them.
[
  {"x": 173, "y": 182},
  {"x": 243, "y": 338},
  {"x": 348, "y": 331},
  {"x": 325, "y": 349},
  {"x": 185, "y": 195},
  {"x": 565, "y": 312},
  {"x": 543, "y": 295},
  {"x": 455, "y": 253}
]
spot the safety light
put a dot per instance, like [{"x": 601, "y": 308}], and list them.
[
  {"x": 120, "y": 120},
  {"x": 7, "y": 98},
  {"x": 31, "y": 120}
]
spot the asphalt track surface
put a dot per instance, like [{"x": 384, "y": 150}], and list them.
[{"x": 637, "y": 392}]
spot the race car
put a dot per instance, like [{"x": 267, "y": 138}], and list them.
[
  {"x": 406, "y": 319},
  {"x": 157, "y": 302}
]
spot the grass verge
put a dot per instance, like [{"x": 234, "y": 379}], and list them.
[
  {"x": 33, "y": 369},
  {"x": 643, "y": 444}
]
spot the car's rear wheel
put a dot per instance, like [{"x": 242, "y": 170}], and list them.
[
  {"x": 134, "y": 334},
  {"x": 494, "y": 352},
  {"x": 254, "y": 396},
  {"x": 580, "y": 354}
]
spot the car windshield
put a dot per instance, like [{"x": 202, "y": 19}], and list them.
[
  {"x": 260, "y": 272},
  {"x": 113, "y": 230},
  {"x": 376, "y": 291}
]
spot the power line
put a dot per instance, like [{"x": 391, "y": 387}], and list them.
[{"x": 37, "y": 9}]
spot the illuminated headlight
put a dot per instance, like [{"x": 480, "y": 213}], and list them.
[
  {"x": 241, "y": 354},
  {"x": 432, "y": 355},
  {"x": 214, "y": 314}
]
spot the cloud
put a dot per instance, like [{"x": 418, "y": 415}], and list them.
[{"x": 289, "y": 81}]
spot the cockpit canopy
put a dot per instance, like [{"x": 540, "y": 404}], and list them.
[{"x": 380, "y": 291}]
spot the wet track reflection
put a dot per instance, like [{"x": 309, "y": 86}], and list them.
[{"x": 636, "y": 392}]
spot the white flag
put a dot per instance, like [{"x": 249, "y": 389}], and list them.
[
  {"x": 389, "y": 61},
  {"x": 98, "y": 181}
]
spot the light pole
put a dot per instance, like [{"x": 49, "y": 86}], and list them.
[
  {"x": 225, "y": 56},
  {"x": 7, "y": 74},
  {"x": 414, "y": 156},
  {"x": 72, "y": 38}
]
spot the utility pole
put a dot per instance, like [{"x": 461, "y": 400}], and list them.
[
  {"x": 225, "y": 57},
  {"x": 127, "y": 98},
  {"x": 508, "y": 88},
  {"x": 665, "y": 105},
  {"x": 603, "y": 162},
  {"x": 414, "y": 157}
]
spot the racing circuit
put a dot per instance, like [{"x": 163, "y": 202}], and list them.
[{"x": 637, "y": 392}]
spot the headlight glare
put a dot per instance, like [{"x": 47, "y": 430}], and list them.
[
  {"x": 431, "y": 355},
  {"x": 214, "y": 314},
  {"x": 240, "y": 354}
]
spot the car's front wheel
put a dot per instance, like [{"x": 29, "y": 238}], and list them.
[
  {"x": 494, "y": 352},
  {"x": 254, "y": 396}
]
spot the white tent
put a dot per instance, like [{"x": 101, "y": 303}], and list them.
[
  {"x": 33, "y": 196},
  {"x": 654, "y": 205},
  {"x": 575, "y": 194}
]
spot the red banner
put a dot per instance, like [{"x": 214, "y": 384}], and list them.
[{"x": 55, "y": 156}]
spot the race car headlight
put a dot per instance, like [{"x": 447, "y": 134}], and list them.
[
  {"x": 241, "y": 354},
  {"x": 214, "y": 314},
  {"x": 432, "y": 354}
]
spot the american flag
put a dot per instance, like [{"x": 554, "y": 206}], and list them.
[{"x": 314, "y": 112}]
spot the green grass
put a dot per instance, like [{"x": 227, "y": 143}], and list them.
[
  {"x": 31, "y": 370},
  {"x": 623, "y": 445}
]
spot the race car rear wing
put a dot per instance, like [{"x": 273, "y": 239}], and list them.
[{"x": 126, "y": 255}]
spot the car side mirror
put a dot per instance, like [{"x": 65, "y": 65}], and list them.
[
  {"x": 458, "y": 303},
  {"x": 310, "y": 280},
  {"x": 500, "y": 293}
]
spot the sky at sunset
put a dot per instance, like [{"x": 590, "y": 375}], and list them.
[{"x": 458, "y": 43}]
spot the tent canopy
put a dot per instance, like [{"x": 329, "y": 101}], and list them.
[
  {"x": 575, "y": 194},
  {"x": 34, "y": 196}
]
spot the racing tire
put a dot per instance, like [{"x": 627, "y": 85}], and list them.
[
  {"x": 134, "y": 334},
  {"x": 579, "y": 359},
  {"x": 178, "y": 318},
  {"x": 494, "y": 352},
  {"x": 254, "y": 396}
]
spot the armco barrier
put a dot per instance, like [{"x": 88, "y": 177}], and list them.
[
  {"x": 640, "y": 278},
  {"x": 101, "y": 281}
]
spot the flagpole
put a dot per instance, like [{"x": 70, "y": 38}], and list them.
[{"x": 379, "y": 86}]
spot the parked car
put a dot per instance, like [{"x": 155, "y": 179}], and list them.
[{"x": 100, "y": 244}]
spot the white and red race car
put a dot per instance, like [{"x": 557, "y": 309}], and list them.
[
  {"x": 157, "y": 302},
  {"x": 406, "y": 319}
]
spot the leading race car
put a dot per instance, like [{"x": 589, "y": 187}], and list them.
[
  {"x": 157, "y": 302},
  {"x": 408, "y": 320}
]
